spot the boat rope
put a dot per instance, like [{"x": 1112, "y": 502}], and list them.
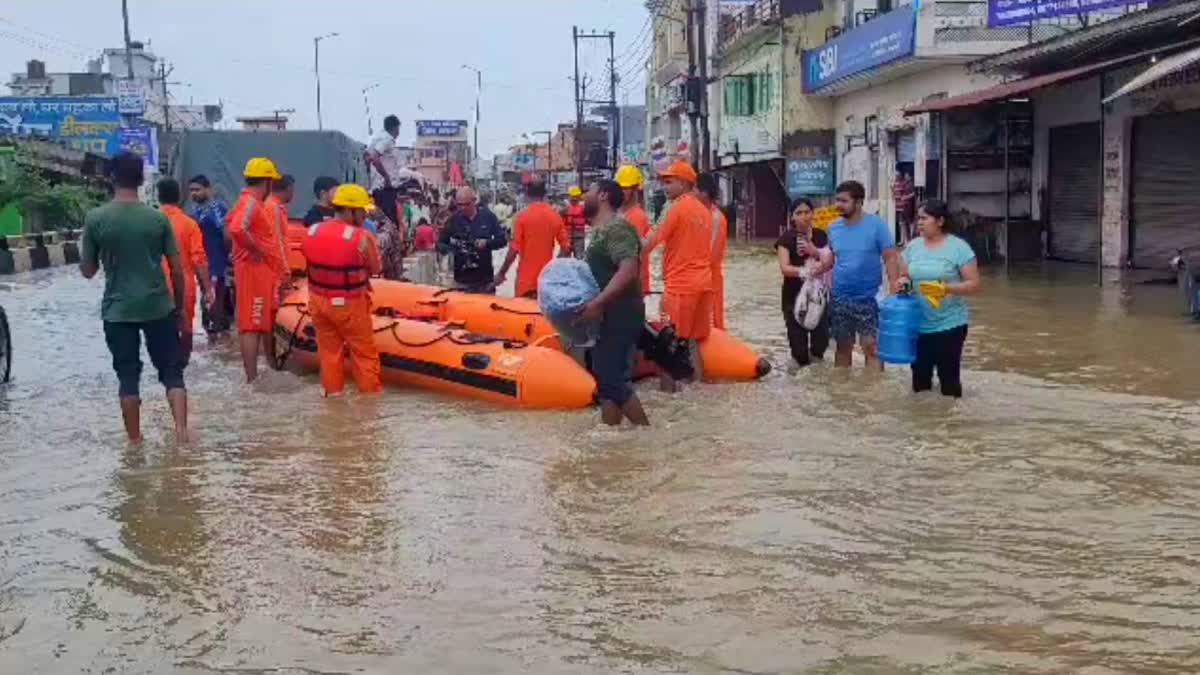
[{"x": 278, "y": 361}]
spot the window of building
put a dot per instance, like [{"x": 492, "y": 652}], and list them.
[{"x": 747, "y": 95}]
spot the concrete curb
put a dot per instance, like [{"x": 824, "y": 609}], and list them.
[{"x": 26, "y": 256}]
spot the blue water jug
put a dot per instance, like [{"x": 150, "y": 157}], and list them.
[{"x": 899, "y": 325}]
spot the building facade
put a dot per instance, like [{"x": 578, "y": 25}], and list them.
[
  {"x": 668, "y": 128},
  {"x": 1115, "y": 127},
  {"x": 100, "y": 79}
]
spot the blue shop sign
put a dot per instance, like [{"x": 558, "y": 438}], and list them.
[
  {"x": 809, "y": 176},
  {"x": 90, "y": 124},
  {"x": 1011, "y": 12},
  {"x": 881, "y": 40},
  {"x": 442, "y": 128}
]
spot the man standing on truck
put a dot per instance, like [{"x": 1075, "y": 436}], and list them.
[{"x": 383, "y": 158}]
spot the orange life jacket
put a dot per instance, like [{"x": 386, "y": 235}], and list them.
[
  {"x": 575, "y": 219},
  {"x": 336, "y": 265}
]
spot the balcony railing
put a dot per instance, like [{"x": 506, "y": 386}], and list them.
[{"x": 736, "y": 24}]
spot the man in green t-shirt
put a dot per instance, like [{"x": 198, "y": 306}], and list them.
[
  {"x": 130, "y": 240},
  {"x": 614, "y": 257}
]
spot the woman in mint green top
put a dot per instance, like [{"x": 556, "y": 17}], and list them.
[{"x": 941, "y": 269}]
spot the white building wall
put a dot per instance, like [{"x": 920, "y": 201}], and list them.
[
  {"x": 887, "y": 102},
  {"x": 756, "y": 137}
]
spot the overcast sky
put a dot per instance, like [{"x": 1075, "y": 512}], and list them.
[{"x": 257, "y": 55}]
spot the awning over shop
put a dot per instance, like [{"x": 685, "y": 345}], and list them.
[
  {"x": 1157, "y": 71},
  {"x": 1008, "y": 90}
]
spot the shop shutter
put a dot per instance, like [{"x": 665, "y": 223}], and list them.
[
  {"x": 1165, "y": 204},
  {"x": 1075, "y": 192}
]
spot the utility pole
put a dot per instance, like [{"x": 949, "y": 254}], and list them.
[
  {"x": 702, "y": 52},
  {"x": 162, "y": 76},
  {"x": 281, "y": 111},
  {"x": 578, "y": 108},
  {"x": 615, "y": 119},
  {"x": 128, "y": 41},
  {"x": 581, "y": 95},
  {"x": 690, "y": 94}
]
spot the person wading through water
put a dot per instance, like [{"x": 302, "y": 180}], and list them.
[
  {"x": 536, "y": 229},
  {"x": 258, "y": 267},
  {"x": 130, "y": 239},
  {"x": 613, "y": 257},
  {"x": 686, "y": 236}
]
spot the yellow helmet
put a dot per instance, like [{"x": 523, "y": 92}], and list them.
[
  {"x": 261, "y": 167},
  {"x": 351, "y": 196},
  {"x": 574, "y": 191},
  {"x": 628, "y": 176}
]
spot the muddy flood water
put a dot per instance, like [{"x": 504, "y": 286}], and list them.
[{"x": 1047, "y": 523}]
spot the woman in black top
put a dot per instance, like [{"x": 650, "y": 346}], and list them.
[{"x": 795, "y": 247}]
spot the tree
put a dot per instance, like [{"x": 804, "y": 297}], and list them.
[{"x": 46, "y": 205}]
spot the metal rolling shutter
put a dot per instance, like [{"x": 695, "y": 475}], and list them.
[
  {"x": 1165, "y": 205},
  {"x": 1075, "y": 192}
]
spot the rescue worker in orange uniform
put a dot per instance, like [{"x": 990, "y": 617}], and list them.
[
  {"x": 576, "y": 220},
  {"x": 630, "y": 180},
  {"x": 710, "y": 195},
  {"x": 535, "y": 230},
  {"x": 258, "y": 266},
  {"x": 190, "y": 240},
  {"x": 686, "y": 236},
  {"x": 342, "y": 256},
  {"x": 283, "y": 191}
]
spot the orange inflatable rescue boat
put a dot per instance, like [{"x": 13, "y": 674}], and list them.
[
  {"x": 724, "y": 357},
  {"x": 444, "y": 357}
]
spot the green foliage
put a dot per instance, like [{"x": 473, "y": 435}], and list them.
[{"x": 46, "y": 204}]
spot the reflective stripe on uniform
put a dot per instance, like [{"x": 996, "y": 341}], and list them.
[{"x": 247, "y": 211}]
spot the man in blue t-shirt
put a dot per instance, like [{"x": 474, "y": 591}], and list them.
[
  {"x": 209, "y": 212},
  {"x": 862, "y": 247}
]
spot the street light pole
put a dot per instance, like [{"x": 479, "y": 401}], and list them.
[
  {"x": 367, "y": 108},
  {"x": 478, "y": 93},
  {"x": 317, "y": 73}
]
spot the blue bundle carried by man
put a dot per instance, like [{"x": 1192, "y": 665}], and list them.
[{"x": 564, "y": 287}]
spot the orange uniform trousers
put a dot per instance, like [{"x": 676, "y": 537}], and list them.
[
  {"x": 341, "y": 328},
  {"x": 691, "y": 313},
  {"x": 257, "y": 296},
  {"x": 718, "y": 305}
]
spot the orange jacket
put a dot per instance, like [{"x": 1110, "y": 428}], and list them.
[
  {"x": 279, "y": 222},
  {"x": 720, "y": 240},
  {"x": 575, "y": 219},
  {"x": 686, "y": 235},
  {"x": 637, "y": 217},
  {"x": 190, "y": 241},
  {"x": 251, "y": 224},
  {"x": 341, "y": 259},
  {"x": 535, "y": 230}
]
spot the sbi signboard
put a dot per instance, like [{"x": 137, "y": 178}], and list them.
[{"x": 881, "y": 40}]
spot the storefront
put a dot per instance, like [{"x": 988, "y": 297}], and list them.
[{"x": 873, "y": 73}]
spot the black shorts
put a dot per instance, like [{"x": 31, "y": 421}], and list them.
[
  {"x": 612, "y": 359},
  {"x": 162, "y": 343}
]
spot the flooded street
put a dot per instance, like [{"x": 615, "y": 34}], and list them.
[{"x": 1047, "y": 523}]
